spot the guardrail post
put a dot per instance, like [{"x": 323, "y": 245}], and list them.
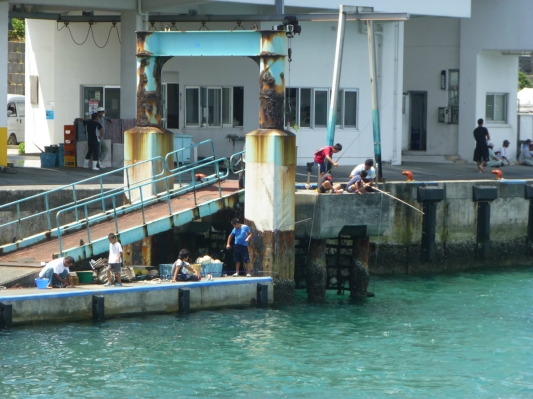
[
  {"x": 262, "y": 295},
  {"x": 6, "y": 315},
  {"x": 98, "y": 308},
  {"x": 429, "y": 196},
  {"x": 184, "y": 300},
  {"x": 482, "y": 195}
]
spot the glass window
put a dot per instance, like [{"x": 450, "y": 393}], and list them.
[
  {"x": 238, "y": 106},
  {"x": 93, "y": 97},
  {"x": 172, "y": 105},
  {"x": 321, "y": 108},
  {"x": 214, "y": 107},
  {"x": 11, "y": 107},
  {"x": 291, "y": 108},
  {"x": 453, "y": 88},
  {"x": 496, "y": 108},
  {"x": 350, "y": 109},
  {"x": 226, "y": 106},
  {"x": 112, "y": 102},
  {"x": 21, "y": 107},
  {"x": 192, "y": 106},
  {"x": 305, "y": 107}
]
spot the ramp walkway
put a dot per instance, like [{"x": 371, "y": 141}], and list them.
[{"x": 80, "y": 228}]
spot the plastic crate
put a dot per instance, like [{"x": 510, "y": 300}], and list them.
[
  {"x": 48, "y": 159},
  {"x": 70, "y": 161},
  {"x": 69, "y": 150},
  {"x": 214, "y": 268},
  {"x": 60, "y": 155}
]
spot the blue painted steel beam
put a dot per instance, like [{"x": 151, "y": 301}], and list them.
[{"x": 206, "y": 43}]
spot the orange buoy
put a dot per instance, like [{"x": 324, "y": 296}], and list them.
[
  {"x": 498, "y": 173},
  {"x": 199, "y": 176}
]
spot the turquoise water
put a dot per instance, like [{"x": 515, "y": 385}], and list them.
[{"x": 467, "y": 335}]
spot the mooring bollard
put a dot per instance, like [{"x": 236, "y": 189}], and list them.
[
  {"x": 184, "y": 301},
  {"x": 98, "y": 308},
  {"x": 482, "y": 195},
  {"x": 6, "y": 315},
  {"x": 262, "y": 295}
]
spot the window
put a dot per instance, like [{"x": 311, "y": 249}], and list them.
[
  {"x": 101, "y": 96},
  {"x": 214, "y": 106},
  {"x": 11, "y": 107},
  {"x": 496, "y": 108},
  {"x": 310, "y": 107},
  {"x": 453, "y": 95}
]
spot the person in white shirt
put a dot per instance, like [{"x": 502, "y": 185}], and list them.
[
  {"x": 371, "y": 173},
  {"x": 57, "y": 272},
  {"x": 502, "y": 153},
  {"x": 114, "y": 261}
]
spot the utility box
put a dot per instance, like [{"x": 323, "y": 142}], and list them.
[{"x": 182, "y": 141}]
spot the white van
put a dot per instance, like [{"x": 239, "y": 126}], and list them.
[{"x": 15, "y": 119}]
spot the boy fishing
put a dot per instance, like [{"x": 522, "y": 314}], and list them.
[{"x": 325, "y": 153}]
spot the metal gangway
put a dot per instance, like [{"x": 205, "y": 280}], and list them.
[{"x": 80, "y": 226}]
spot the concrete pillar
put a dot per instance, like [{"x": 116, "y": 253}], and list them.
[
  {"x": 271, "y": 169},
  {"x": 359, "y": 276},
  {"x": 4, "y": 10},
  {"x": 147, "y": 140},
  {"x": 316, "y": 276},
  {"x": 130, "y": 22}
]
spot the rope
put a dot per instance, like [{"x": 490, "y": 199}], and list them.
[{"x": 91, "y": 31}]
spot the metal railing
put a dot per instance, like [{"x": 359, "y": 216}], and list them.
[
  {"x": 143, "y": 201},
  {"x": 237, "y": 162},
  {"x": 29, "y": 202}
]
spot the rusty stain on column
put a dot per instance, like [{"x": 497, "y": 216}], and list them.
[{"x": 316, "y": 273}]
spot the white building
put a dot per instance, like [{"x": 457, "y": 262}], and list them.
[{"x": 457, "y": 59}]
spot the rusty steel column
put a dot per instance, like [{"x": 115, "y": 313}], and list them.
[
  {"x": 148, "y": 139},
  {"x": 359, "y": 276},
  {"x": 316, "y": 273},
  {"x": 271, "y": 172}
]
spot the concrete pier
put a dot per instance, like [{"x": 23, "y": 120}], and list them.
[{"x": 32, "y": 305}]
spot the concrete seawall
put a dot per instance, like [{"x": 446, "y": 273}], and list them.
[
  {"x": 33, "y": 305},
  {"x": 399, "y": 243}
]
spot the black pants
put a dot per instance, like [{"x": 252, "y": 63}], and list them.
[{"x": 94, "y": 147}]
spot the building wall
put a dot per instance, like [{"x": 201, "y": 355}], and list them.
[{"x": 431, "y": 45}]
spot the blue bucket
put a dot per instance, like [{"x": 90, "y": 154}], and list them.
[{"x": 41, "y": 283}]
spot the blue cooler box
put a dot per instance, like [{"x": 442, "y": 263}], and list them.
[
  {"x": 165, "y": 269},
  {"x": 214, "y": 268}
]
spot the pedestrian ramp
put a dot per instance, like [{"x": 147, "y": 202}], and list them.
[{"x": 80, "y": 227}]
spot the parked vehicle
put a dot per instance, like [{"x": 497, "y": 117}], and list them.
[{"x": 15, "y": 119}]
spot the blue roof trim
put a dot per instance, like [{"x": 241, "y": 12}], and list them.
[{"x": 144, "y": 288}]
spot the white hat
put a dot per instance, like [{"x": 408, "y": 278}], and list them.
[{"x": 100, "y": 109}]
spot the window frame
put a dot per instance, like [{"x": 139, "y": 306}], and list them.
[
  {"x": 101, "y": 102},
  {"x": 343, "y": 108},
  {"x": 313, "y": 100},
  {"x": 505, "y": 106},
  {"x": 199, "y": 105}
]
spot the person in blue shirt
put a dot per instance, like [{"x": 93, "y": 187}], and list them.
[{"x": 242, "y": 235}]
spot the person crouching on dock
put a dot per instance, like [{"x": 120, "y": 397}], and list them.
[{"x": 182, "y": 271}]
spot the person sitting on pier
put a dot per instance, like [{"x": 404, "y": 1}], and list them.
[
  {"x": 327, "y": 186},
  {"x": 371, "y": 173},
  {"x": 325, "y": 153},
  {"x": 57, "y": 272},
  {"x": 502, "y": 153},
  {"x": 182, "y": 270},
  {"x": 525, "y": 158},
  {"x": 242, "y": 234},
  {"x": 494, "y": 161},
  {"x": 357, "y": 185}
]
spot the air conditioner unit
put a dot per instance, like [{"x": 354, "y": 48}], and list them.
[{"x": 444, "y": 115}]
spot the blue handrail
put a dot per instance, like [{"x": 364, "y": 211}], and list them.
[
  {"x": 75, "y": 200},
  {"x": 168, "y": 194},
  {"x": 237, "y": 160}
]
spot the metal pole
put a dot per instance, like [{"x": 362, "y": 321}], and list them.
[
  {"x": 280, "y": 8},
  {"x": 332, "y": 119},
  {"x": 374, "y": 92}
]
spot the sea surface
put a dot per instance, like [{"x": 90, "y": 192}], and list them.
[{"x": 463, "y": 335}]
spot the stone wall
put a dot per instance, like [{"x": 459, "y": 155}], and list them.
[{"x": 15, "y": 67}]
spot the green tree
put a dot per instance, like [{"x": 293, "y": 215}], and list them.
[
  {"x": 18, "y": 33},
  {"x": 523, "y": 80}
]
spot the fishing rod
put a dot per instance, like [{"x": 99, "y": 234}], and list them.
[{"x": 397, "y": 199}]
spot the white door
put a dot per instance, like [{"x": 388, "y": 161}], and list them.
[{"x": 13, "y": 128}]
